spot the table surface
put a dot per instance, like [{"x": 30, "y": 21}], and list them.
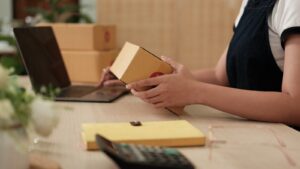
[{"x": 233, "y": 142}]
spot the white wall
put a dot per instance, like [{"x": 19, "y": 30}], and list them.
[
  {"x": 89, "y": 8},
  {"x": 5, "y": 16},
  {"x": 5, "y": 9}
]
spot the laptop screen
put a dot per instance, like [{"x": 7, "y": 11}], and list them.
[{"x": 41, "y": 56}]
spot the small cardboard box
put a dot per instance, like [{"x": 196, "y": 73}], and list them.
[
  {"x": 84, "y": 36},
  {"x": 135, "y": 63},
  {"x": 86, "y": 66}
]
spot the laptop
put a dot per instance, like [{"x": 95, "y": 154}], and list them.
[{"x": 44, "y": 64}]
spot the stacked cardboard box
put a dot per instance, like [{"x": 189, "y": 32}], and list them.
[{"x": 86, "y": 49}]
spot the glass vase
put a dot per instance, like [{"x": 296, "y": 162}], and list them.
[{"x": 14, "y": 152}]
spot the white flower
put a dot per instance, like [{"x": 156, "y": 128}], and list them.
[
  {"x": 44, "y": 117},
  {"x": 4, "y": 77},
  {"x": 6, "y": 112}
]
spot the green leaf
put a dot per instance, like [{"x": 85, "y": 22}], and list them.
[
  {"x": 40, "y": 11},
  {"x": 35, "y": 10},
  {"x": 85, "y": 18},
  {"x": 53, "y": 3},
  {"x": 9, "y": 39},
  {"x": 69, "y": 8},
  {"x": 13, "y": 62}
]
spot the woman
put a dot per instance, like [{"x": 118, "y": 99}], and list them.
[{"x": 257, "y": 77}]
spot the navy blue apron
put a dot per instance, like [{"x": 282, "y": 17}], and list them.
[{"x": 250, "y": 62}]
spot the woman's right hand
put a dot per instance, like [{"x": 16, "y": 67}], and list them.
[{"x": 108, "y": 79}]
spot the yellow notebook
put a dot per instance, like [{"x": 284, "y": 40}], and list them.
[{"x": 177, "y": 133}]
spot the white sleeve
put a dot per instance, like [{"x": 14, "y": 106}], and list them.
[
  {"x": 286, "y": 18},
  {"x": 244, "y": 3}
]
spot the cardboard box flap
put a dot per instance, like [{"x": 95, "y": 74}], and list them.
[{"x": 124, "y": 59}]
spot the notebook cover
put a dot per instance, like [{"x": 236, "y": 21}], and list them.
[{"x": 177, "y": 133}]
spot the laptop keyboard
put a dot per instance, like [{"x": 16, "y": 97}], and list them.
[
  {"x": 76, "y": 91},
  {"x": 106, "y": 93}
]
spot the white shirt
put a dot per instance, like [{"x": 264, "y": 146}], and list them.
[{"x": 285, "y": 15}]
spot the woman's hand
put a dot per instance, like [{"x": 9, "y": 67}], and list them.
[
  {"x": 108, "y": 79},
  {"x": 170, "y": 90},
  {"x": 178, "y": 68}
]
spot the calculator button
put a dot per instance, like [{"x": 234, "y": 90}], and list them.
[
  {"x": 170, "y": 151},
  {"x": 138, "y": 155}
]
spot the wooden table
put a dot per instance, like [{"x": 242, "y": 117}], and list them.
[{"x": 235, "y": 142}]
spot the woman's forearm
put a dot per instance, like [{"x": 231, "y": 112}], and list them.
[
  {"x": 206, "y": 75},
  {"x": 254, "y": 105}
]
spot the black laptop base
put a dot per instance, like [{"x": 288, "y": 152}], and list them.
[{"x": 105, "y": 95}]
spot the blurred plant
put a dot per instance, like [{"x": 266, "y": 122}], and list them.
[
  {"x": 12, "y": 61},
  {"x": 49, "y": 91},
  {"x": 56, "y": 12},
  {"x": 22, "y": 109},
  {"x": 1, "y": 24}
]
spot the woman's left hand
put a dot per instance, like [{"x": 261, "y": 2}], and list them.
[{"x": 170, "y": 90}]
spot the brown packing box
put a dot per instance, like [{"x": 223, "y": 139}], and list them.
[
  {"x": 86, "y": 66},
  {"x": 135, "y": 63},
  {"x": 84, "y": 36}
]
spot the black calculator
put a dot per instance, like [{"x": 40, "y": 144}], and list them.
[{"x": 134, "y": 156}]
